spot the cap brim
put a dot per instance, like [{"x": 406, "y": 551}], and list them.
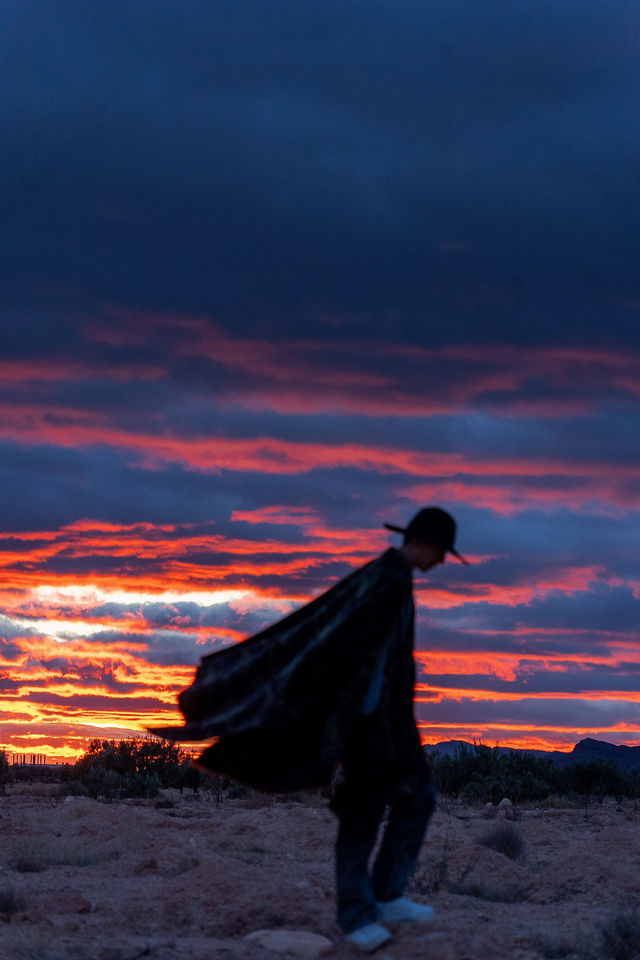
[
  {"x": 459, "y": 557},
  {"x": 392, "y": 526}
]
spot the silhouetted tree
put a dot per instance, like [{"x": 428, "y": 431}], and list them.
[{"x": 132, "y": 768}]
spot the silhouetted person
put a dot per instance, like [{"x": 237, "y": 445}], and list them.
[
  {"x": 385, "y": 765},
  {"x": 332, "y": 684}
]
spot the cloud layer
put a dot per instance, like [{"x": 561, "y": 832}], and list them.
[{"x": 276, "y": 274}]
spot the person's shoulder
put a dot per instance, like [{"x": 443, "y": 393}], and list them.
[
  {"x": 396, "y": 559},
  {"x": 389, "y": 566}
]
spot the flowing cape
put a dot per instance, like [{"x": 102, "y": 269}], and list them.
[{"x": 282, "y": 702}]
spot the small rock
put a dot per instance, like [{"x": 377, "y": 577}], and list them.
[
  {"x": 145, "y": 866},
  {"x": 295, "y": 943},
  {"x": 489, "y": 811},
  {"x": 505, "y": 807}
]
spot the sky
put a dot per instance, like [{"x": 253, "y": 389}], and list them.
[{"x": 274, "y": 273}]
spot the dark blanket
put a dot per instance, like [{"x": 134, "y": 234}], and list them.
[{"x": 283, "y": 702}]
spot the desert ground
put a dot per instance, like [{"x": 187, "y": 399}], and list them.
[{"x": 189, "y": 878}]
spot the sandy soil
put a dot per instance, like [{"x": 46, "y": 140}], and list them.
[{"x": 82, "y": 880}]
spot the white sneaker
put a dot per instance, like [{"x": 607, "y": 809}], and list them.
[
  {"x": 395, "y": 911},
  {"x": 369, "y": 938}
]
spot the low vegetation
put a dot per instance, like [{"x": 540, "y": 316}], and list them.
[
  {"x": 35, "y": 861},
  {"x": 480, "y": 774},
  {"x": 491, "y": 892},
  {"x": 142, "y": 767},
  {"x": 621, "y": 936},
  {"x": 505, "y": 839},
  {"x": 138, "y": 767},
  {"x": 10, "y": 902}
]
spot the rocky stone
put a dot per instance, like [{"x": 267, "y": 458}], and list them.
[{"x": 300, "y": 944}]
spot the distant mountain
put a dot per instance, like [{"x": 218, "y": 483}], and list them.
[
  {"x": 627, "y": 758},
  {"x": 450, "y": 747}
]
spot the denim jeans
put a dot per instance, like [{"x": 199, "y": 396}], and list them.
[{"x": 360, "y": 812}]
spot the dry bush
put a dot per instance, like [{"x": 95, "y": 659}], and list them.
[
  {"x": 257, "y": 800},
  {"x": 10, "y": 901},
  {"x": 621, "y": 936},
  {"x": 73, "y": 856},
  {"x": 430, "y": 878},
  {"x": 69, "y": 855},
  {"x": 435, "y": 875},
  {"x": 506, "y": 839},
  {"x": 509, "y": 893},
  {"x": 28, "y": 863}
]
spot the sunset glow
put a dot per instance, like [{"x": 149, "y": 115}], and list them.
[{"x": 263, "y": 297}]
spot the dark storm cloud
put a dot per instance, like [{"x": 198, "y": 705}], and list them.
[
  {"x": 271, "y": 163},
  {"x": 435, "y": 635},
  {"x": 8, "y": 650},
  {"x": 567, "y": 678},
  {"x": 46, "y": 488},
  {"x": 89, "y": 671},
  {"x": 160, "y": 647},
  {"x": 79, "y": 676},
  {"x": 575, "y": 537},
  {"x": 531, "y": 713},
  {"x": 601, "y": 608},
  {"x": 95, "y": 702},
  {"x": 406, "y": 230},
  {"x": 164, "y": 620},
  {"x": 8, "y": 684}
]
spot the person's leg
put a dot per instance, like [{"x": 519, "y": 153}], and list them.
[
  {"x": 359, "y": 814},
  {"x": 405, "y": 830}
]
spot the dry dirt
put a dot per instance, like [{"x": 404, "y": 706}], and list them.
[{"x": 83, "y": 880}]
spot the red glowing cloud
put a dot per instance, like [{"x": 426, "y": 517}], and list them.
[{"x": 103, "y": 621}]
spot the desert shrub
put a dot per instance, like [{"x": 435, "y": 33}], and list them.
[
  {"x": 237, "y": 791},
  {"x": 632, "y": 785},
  {"x": 479, "y": 774},
  {"x": 28, "y": 863},
  {"x": 432, "y": 876},
  {"x": 70, "y": 855},
  {"x": 508, "y": 893},
  {"x": 621, "y": 936},
  {"x": 596, "y": 779},
  {"x": 482, "y": 790},
  {"x": 10, "y": 901},
  {"x": 137, "y": 767},
  {"x": 506, "y": 839},
  {"x": 73, "y": 787},
  {"x": 482, "y": 774},
  {"x": 34, "y": 773}
]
